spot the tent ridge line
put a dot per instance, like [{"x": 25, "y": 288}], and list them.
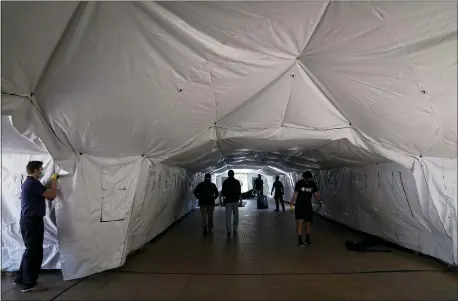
[
  {"x": 358, "y": 132},
  {"x": 257, "y": 93},
  {"x": 429, "y": 192},
  {"x": 74, "y": 18},
  {"x": 289, "y": 98},
  {"x": 30, "y": 99},
  {"x": 318, "y": 24},
  {"x": 17, "y": 95}
]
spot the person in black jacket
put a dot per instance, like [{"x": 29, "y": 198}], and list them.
[
  {"x": 206, "y": 192},
  {"x": 259, "y": 186},
  {"x": 232, "y": 191},
  {"x": 279, "y": 191}
]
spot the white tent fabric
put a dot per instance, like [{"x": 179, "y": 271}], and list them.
[
  {"x": 119, "y": 92},
  {"x": 415, "y": 210}
]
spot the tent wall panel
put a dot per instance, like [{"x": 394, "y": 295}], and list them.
[
  {"x": 163, "y": 197},
  {"x": 396, "y": 204}
]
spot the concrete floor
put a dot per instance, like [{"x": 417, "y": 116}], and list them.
[{"x": 261, "y": 263}]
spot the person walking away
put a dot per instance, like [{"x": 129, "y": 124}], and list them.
[
  {"x": 232, "y": 192},
  {"x": 206, "y": 192},
  {"x": 33, "y": 210},
  {"x": 302, "y": 200},
  {"x": 259, "y": 186},
  {"x": 279, "y": 191}
]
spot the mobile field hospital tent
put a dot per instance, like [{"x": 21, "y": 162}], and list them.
[{"x": 131, "y": 102}]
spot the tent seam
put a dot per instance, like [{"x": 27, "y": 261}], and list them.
[
  {"x": 29, "y": 98},
  {"x": 391, "y": 148},
  {"x": 321, "y": 17},
  {"x": 253, "y": 97},
  {"x": 76, "y": 13},
  {"x": 431, "y": 196},
  {"x": 289, "y": 97}
]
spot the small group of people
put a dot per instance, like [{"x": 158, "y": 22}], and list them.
[
  {"x": 301, "y": 204},
  {"x": 258, "y": 185},
  {"x": 206, "y": 192}
]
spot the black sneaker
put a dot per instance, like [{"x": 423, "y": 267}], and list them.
[
  {"x": 300, "y": 243},
  {"x": 228, "y": 234},
  {"x": 307, "y": 239},
  {"x": 235, "y": 232},
  {"x": 276, "y": 210},
  {"x": 29, "y": 288},
  {"x": 205, "y": 231},
  {"x": 17, "y": 282}
]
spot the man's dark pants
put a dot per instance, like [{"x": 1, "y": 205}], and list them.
[
  {"x": 206, "y": 212},
  {"x": 279, "y": 198},
  {"x": 32, "y": 230}
]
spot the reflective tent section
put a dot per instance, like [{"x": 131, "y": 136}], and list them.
[{"x": 133, "y": 102}]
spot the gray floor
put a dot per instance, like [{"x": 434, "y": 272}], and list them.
[{"x": 261, "y": 263}]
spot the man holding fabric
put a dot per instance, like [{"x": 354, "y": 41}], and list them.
[{"x": 33, "y": 210}]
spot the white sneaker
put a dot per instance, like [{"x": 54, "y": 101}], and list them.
[{"x": 29, "y": 288}]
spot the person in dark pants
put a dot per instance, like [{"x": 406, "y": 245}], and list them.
[
  {"x": 232, "y": 191},
  {"x": 279, "y": 191},
  {"x": 302, "y": 197},
  {"x": 206, "y": 192},
  {"x": 259, "y": 186},
  {"x": 33, "y": 210}
]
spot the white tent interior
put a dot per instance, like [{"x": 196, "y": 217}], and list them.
[{"x": 134, "y": 101}]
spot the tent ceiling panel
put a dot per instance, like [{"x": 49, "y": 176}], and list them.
[
  {"x": 14, "y": 143},
  {"x": 263, "y": 110},
  {"x": 324, "y": 155},
  {"x": 308, "y": 106},
  {"x": 373, "y": 78},
  {"x": 180, "y": 81},
  {"x": 265, "y": 170},
  {"x": 261, "y": 76},
  {"x": 277, "y": 29},
  {"x": 30, "y": 33}
]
